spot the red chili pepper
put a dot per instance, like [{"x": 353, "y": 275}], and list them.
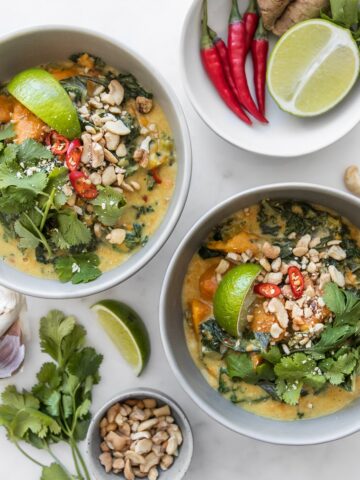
[
  {"x": 212, "y": 64},
  {"x": 59, "y": 144},
  {"x": 237, "y": 58},
  {"x": 296, "y": 280},
  {"x": 268, "y": 290},
  {"x": 224, "y": 57},
  {"x": 73, "y": 155},
  {"x": 155, "y": 174},
  {"x": 82, "y": 185},
  {"x": 251, "y": 20},
  {"x": 259, "y": 49}
]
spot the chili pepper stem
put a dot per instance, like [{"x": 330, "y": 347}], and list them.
[
  {"x": 261, "y": 33},
  {"x": 206, "y": 41},
  {"x": 252, "y": 7},
  {"x": 235, "y": 15}
]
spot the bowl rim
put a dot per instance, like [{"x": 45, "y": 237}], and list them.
[
  {"x": 166, "y": 228},
  {"x": 306, "y": 149},
  {"x": 166, "y": 289},
  {"x": 151, "y": 393}
]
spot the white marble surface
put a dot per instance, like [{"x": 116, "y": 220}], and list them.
[{"x": 153, "y": 28}]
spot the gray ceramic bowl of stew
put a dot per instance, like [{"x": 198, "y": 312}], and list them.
[
  {"x": 38, "y": 45},
  {"x": 302, "y": 432}
]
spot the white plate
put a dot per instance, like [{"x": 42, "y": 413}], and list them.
[{"x": 286, "y": 135}]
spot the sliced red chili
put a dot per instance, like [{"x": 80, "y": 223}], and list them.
[
  {"x": 296, "y": 280},
  {"x": 155, "y": 174},
  {"x": 82, "y": 185},
  {"x": 58, "y": 143},
  {"x": 268, "y": 290},
  {"x": 73, "y": 155}
]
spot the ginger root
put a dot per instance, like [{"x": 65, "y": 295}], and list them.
[
  {"x": 271, "y": 10},
  {"x": 280, "y": 15}
]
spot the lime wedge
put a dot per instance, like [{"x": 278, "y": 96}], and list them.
[
  {"x": 233, "y": 297},
  {"x": 126, "y": 330},
  {"x": 44, "y": 96},
  {"x": 313, "y": 67}
]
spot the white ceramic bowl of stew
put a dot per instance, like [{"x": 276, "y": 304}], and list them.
[
  {"x": 38, "y": 45},
  {"x": 298, "y": 432}
]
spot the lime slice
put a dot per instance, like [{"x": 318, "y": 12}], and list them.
[
  {"x": 126, "y": 330},
  {"x": 44, "y": 96},
  {"x": 234, "y": 296},
  {"x": 313, "y": 67}
]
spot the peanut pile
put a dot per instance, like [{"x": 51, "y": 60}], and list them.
[{"x": 138, "y": 437}]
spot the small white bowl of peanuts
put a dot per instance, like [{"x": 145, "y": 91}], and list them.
[{"x": 140, "y": 433}]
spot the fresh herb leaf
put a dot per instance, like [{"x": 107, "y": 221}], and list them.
[
  {"x": 295, "y": 367},
  {"x": 216, "y": 339},
  {"x": 30, "y": 150},
  {"x": 11, "y": 176},
  {"x": 240, "y": 365},
  {"x": 289, "y": 392},
  {"x": 15, "y": 200},
  {"x": 108, "y": 206},
  {"x": 206, "y": 253},
  {"x": 27, "y": 239},
  {"x": 53, "y": 329},
  {"x": 85, "y": 363},
  {"x": 132, "y": 87},
  {"x": 80, "y": 268},
  {"x": 345, "y": 12},
  {"x": 73, "y": 230},
  {"x": 333, "y": 337},
  {"x": 77, "y": 86},
  {"x": 7, "y": 132},
  {"x": 143, "y": 210},
  {"x": 336, "y": 369},
  {"x": 135, "y": 238},
  {"x": 54, "y": 472}
]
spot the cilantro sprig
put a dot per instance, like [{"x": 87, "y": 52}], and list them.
[
  {"x": 58, "y": 406},
  {"x": 333, "y": 359}
]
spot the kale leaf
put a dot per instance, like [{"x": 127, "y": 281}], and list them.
[{"x": 132, "y": 87}]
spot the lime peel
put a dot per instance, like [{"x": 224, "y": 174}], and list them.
[
  {"x": 234, "y": 296},
  {"x": 126, "y": 330},
  {"x": 45, "y": 97}
]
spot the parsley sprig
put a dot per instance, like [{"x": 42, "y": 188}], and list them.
[{"x": 58, "y": 406}]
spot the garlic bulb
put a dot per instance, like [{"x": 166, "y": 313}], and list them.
[
  {"x": 12, "y": 348},
  {"x": 11, "y": 304}
]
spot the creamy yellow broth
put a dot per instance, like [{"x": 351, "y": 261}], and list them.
[
  {"x": 253, "y": 398},
  {"x": 112, "y": 256}
]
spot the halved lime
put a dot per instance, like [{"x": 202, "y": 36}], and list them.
[
  {"x": 126, "y": 330},
  {"x": 313, "y": 67},
  {"x": 45, "y": 97},
  {"x": 233, "y": 297}
]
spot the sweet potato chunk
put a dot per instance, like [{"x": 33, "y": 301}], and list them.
[
  {"x": 6, "y": 108},
  {"x": 262, "y": 322},
  {"x": 208, "y": 284},
  {"x": 60, "y": 73},
  {"x": 26, "y": 124},
  {"x": 238, "y": 244},
  {"x": 199, "y": 312}
]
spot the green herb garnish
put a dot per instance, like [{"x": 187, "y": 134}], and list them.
[{"x": 58, "y": 407}]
